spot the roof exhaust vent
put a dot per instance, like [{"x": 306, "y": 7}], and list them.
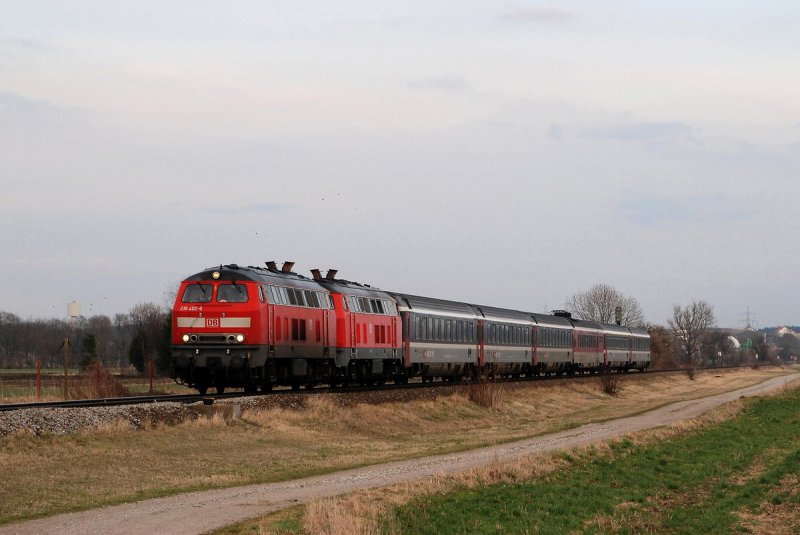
[
  {"x": 331, "y": 275},
  {"x": 271, "y": 265},
  {"x": 317, "y": 275},
  {"x": 562, "y": 314},
  {"x": 287, "y": 267}
]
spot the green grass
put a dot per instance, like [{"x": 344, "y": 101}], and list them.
[{"x": 691, "y": 484}]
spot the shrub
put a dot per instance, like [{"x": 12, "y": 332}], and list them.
[
  {"x": 609, "y": 383},
  {"x": 97, "y": 382},
  {"x": 486, "y": 393}
]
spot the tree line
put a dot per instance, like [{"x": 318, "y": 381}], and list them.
[
  {"x": 132, "y": 338},
  {"x": 691, "y": 338}
]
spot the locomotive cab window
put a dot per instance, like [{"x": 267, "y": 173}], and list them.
[
  {"x": 232, "y": 293},
  {"x": 197, "y": 293}
]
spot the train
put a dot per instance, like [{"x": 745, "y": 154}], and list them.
[{"x": 256, "y": 328}]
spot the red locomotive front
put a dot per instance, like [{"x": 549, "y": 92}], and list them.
[
  {"x": 253, "y": 328},
  {"x": 219, "y": 328}
]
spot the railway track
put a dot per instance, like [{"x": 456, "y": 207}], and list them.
[{"x": 211, "y": 398}]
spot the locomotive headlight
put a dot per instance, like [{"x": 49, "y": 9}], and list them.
[
  {"x": 185, "y": 337},
  {"x": 215, "y": 275},
  {"x": 240, "y": 338}
]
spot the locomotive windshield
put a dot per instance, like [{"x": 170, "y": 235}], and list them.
[
  {"x": 232, "y": 293},
  {"x": 197, "y": 293}
]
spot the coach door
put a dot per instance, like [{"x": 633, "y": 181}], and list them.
[
  {"x": 406, "y": 336},
  {"x": 481, "y": 340}
]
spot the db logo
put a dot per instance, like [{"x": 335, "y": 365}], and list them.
[{"x": 212, "y": 322}]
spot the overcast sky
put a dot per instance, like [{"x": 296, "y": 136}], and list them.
[{"x": 505, "y": 153}]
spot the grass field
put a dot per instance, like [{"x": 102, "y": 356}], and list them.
[
  {"x": 47, "y": 475},
  {"x": 734, "y": 470},
  {"x": 735, "y": 476},
  {"x": 19, "y": 386}
]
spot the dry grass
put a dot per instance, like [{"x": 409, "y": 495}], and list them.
[
  {"x": 79, "y": 386},
  {"x": 610, "y": 383},
  {"x": 487, "y": 393},
  {"x": 97, "y": 382},
  {"x": 691, "y": 371},
  {"x": 118, "y": 464}
]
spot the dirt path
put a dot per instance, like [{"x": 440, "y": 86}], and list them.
[{"x": 200, "y": 512}]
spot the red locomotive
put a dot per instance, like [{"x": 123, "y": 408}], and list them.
[{"x": 253, "y": 327}]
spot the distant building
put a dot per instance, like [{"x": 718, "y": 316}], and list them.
[{"x": 786, "y": 330}]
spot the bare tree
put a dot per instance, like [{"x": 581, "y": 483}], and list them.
[
  {"x": 690, "y": 325},
  {"x": 148, "y": 321},
  {"x": 600, "y": 303},
  {"x": 662, "y": 348}
]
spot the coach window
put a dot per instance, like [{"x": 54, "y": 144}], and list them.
[
  {"x": 197, "y": 293},
  {"x": 232, "y": 293}
]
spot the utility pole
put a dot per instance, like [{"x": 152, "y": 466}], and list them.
[{"x": 65, "y": 347}]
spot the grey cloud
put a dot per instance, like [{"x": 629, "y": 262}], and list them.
[
  {"x": 27, "y": 45},
  {"x": 17, "y": 111},
  {"x": 653, "y": 211},
  {"x": 257, "y": 208},
  {"x": 536, "y": 15},
  {"x": 643, "y": 132},
  {"x": 555, "y": 132},
  {"x": 446, "y": 84}
]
